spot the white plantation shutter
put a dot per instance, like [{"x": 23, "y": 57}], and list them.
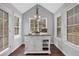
[{"x": 3, "y": 30}]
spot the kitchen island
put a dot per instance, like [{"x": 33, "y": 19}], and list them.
[{"x": 37, "y": 44}]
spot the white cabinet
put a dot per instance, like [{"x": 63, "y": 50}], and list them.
[
  {"x": 34, "y": 44},
  {"x": 38, "y": 44}
]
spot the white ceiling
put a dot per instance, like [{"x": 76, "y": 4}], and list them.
[{"x": 23, "y": 7}]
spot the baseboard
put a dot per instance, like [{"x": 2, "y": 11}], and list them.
[
  {"x": 62, "y": 51},
  {"x": 16, "y": 48}
]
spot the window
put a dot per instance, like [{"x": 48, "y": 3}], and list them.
[
  {"x": 73, "y": 25},
  {"x": 16, "y": 25},
  {"x": 3, "y": 30},
  {"x": 59, "y": 26},
  {"x": 38, "y": 26}
]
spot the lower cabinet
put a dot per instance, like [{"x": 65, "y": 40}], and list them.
[{"x": 37, "y": 44}]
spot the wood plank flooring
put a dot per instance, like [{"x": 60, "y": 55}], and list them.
[{"x": 54, "y": 52}]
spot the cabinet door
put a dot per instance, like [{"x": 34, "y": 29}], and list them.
[
  {"x": 38, "y": 44},
  {"x": 30, "y": 45}
]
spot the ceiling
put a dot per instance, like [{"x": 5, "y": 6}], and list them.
[{"x": 23, "y": 7}]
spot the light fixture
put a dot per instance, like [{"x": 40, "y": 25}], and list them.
[{"x": 37, "y": 16}]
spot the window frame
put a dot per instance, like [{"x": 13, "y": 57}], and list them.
[
  {"x": 3, "y": 19},
  {"x": 38, "y": 23},
  {"x": 15, "y": 26},
  {"x": 58, "y": 26},
  {"x": 70, "y": 25}
]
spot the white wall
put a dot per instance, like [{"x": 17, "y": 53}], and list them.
[
  {"x": 14, "y": 41},
  {"x": 65, "y": 46}
]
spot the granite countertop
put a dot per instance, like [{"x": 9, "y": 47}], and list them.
[{"x": 38, "y": 35}]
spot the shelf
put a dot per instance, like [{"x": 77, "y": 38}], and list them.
[
  {"x": 46, "y": 40},
  {"x": 45, "y": 44},
  {"x": 45, "y": 49}
]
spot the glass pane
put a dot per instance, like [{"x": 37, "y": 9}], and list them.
[
  {"x": 70, "y": 12},
  {"x": 5, "y": 39},
  {"x": 37, "y": 26},
  {"x": 69, "y": 37},
  {"x": 1, "y": 30},
  {"x": 77, "y": 38},
  {"x": 1, "y": 27},
  {"x": 73, "y": 30},
  {"x": 42, "y": 25},
  {"x": 1, "y": 13},
  {"x": 16, "y": 30},
  {"x": 5, "y": 30},
  {"x": 76, "y": 9},
  {"x": 77, "y": 19},
  {"x": 59, "y": 26},
  {"x": 69, "y": 29},
  {"x": 16, "y": 25},
  {"x": 5, "y": 26},
  {"x": 16, "y": 21},
  {"x": 1, "y": 44},
  {"x": 70, "y": 21},
  {"x": 5, "y": 15},
  {"x": 58, "y": 32},
  {"x": 77, "y": 28},
  {"x": 59, "y": 21},
  {"x": 34, "y": 25}
]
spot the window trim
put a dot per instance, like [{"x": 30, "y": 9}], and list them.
[
  {"x": 67, "y": 26},
  {"x": 58, "y": 26},
  {"x": 5, "y": 11},
  {"x": 16, "y": 26},
  {"x": 34, "y": 18}
]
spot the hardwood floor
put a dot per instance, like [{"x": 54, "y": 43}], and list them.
[{"x": 54, "y": 52}]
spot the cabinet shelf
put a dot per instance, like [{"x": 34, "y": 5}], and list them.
[
  {"x": 45, "y": 49},
  {"x": 45, "y": 45}
]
